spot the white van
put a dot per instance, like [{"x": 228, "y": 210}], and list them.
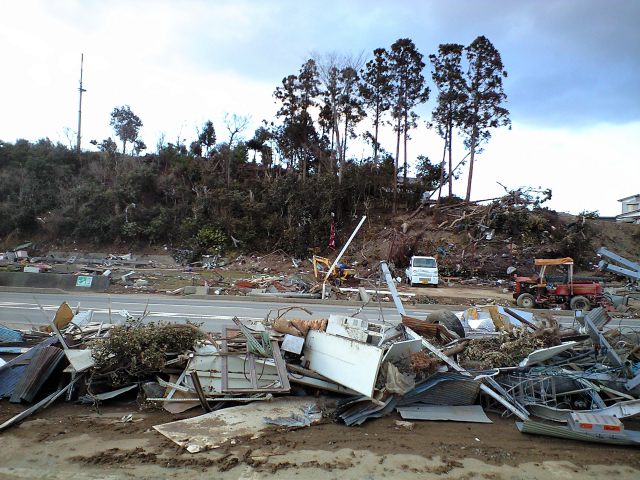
[{"x": 422, "y": 270}]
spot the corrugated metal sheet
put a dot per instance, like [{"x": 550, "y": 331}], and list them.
[
  {"x": 9, "y": 378},
  {"x": 9, "y": 334},
  {"x": 42, "y": 365},
  {"x": 444, "y": 389},
  {"x": 538, "y": 428},
  {"x": 12, "y": 371},
  {"x": 599, "y": 317},
  {"x": 13, "y": 350},
  {"x": 625, "y": 409},
  {"x": 465, "y": 413},
  {"x": 357, "y": 411}
]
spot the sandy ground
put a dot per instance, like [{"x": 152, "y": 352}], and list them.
[{"x": 74, "y": 442}]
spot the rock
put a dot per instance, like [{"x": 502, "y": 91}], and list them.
[{"x": 403, "y": 424}]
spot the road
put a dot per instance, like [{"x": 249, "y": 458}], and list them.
[{"x": 21, "y": 310}]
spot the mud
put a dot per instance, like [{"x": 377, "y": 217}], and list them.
[{"x": 75, "y": 442}]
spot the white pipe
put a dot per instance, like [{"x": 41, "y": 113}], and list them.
[{"x": 335, "y": 262}]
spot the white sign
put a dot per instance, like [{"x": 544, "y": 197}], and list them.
[{"x": 84, "y": 281}]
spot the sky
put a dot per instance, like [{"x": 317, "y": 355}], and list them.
[{"x": 573, "y": 86}]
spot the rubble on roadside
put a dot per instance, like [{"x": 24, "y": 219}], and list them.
[{"x": 446, "y": 367}]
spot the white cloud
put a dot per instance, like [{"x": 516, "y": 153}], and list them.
[
  {"x": 178, "y": 64},
  {"x": 587, "y": 169}
]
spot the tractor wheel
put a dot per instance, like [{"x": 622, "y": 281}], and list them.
[
  {"x": 526, "y": 300},
  {"x": 580, "y": 303}
]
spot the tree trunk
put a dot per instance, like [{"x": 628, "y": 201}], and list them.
[
  {"x": 344, "y": 139},
  {"x": 375, "y": 135},
  {"x": 473, "y": 152},
  {"x": 449, "y": 140},
  {"x": 395, "y": 170},
  {"x": 303, "y": 167},
  {"x": 339, "y": 150},
  {"x": 441, "y": 181},
  {"x": 404, "y": 173}
]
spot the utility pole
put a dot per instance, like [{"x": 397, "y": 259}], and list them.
[{"x": 80, "y": 106}]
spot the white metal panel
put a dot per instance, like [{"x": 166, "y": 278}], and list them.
[
  {"x": 292, "y": 344},
  {"x": 543, "y": 354},
  {"x": 348, "y": 327},
  {"x": 350, "y": 363},
  {"x": 402, "y": 349},
  {"x": 467, "y": 413}
]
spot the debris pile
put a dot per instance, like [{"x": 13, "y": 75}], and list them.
[{"x": 302, "y": 369}]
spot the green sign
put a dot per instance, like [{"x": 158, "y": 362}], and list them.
[{"x": 84, "y": 281}]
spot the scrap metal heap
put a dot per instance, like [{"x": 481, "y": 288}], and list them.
[{"x": 445, "y": 367}]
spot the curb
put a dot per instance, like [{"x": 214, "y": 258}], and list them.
[{"x": 36, "y": 290}]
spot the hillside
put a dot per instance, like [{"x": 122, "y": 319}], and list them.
[{"x": 178, "y": 203}]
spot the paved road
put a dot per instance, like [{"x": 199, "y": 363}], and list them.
[{"x": 22, "y": 310}]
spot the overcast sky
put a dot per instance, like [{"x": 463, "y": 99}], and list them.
[{"x": 573, "y": 86}]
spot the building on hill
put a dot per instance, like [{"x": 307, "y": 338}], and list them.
[{"x": 630, "y": 209}]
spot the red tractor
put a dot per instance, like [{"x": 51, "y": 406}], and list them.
[{"x": 539, "y": 291}]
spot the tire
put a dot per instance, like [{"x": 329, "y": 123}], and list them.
[
  {"x": 449, "y": 320},
  {"x": 526, "y": 300},
  {"x": 580, "y": 303}
]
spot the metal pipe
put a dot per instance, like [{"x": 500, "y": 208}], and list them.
[
  {"x": 335, "y": 262},
  {"x": 392, "y": 288}
]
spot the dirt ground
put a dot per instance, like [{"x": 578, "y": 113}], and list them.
[
  {"x": 463, "y": 294},
  {"x": 75, "y": 442}
]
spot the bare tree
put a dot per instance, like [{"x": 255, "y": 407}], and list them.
[
  {"x": 236, "y": 124},
  {"x": 338, "y": 91}
]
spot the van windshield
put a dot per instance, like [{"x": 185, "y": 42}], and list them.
[{"x": 424, "y": 262}]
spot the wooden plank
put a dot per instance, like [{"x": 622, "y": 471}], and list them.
[
  {"x": 225, "y": 365},
  {"x": 252, "y": 370},
  {"x": 280, "y": 366}
]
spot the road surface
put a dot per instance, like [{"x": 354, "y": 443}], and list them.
[{"x": 21, "y": 310}]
